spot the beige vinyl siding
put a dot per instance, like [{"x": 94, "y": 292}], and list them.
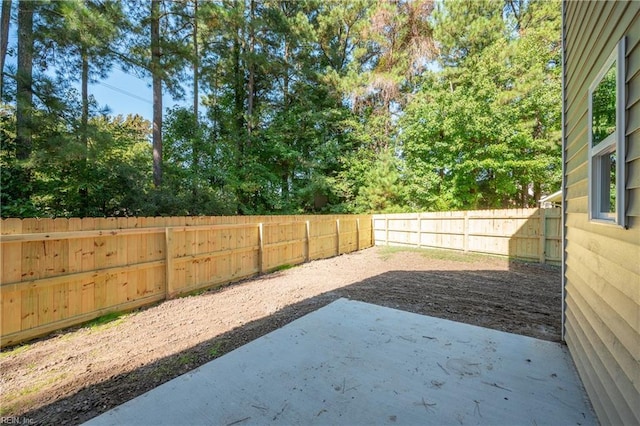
[{"x": 602, "y": 262}]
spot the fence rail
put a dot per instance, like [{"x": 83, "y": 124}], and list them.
[
  {"x": 529, "y": 234},
  {"x": 61, "y": 272}
]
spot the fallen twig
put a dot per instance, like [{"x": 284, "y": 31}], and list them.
[
  {"x": 427, "y": 405},
  {"x": 443, "y": 369},
  {"x": 238, "y": 421},
  {"x": 495, "y": 385},
  {"x": 260, "y": 408},
  {"x": 477, "y": 408},
  {"x": 284, "y": 407}
]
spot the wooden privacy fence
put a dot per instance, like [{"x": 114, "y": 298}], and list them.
[
  {"x": 528, "y": 234},
  {"x": 61, "y": 272}
]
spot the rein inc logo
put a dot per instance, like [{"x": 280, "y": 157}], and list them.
[{"x": 16, "y": 421}]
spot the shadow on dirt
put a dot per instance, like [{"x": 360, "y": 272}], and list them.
[{"x": 516, "y": 301}]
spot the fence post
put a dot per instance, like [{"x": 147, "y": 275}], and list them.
[
  {"x": 386, "y": 230},
  {"x": 358, "y": 234},
  {"x": 419, "y": 230},
  {"x": 308, "y": 237},
  {"x": 338, "y": 234},
  {"x": 168, "y": 252},
  {"x": 543, "y": 235},
  {"x": 260, "y": 248},
  {"x": 372, "y": 235},
  {"x": 465, "y": 240}
]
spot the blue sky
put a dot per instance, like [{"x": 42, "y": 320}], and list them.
[
  {"x": 128, "y": 94},
  {"x": 124, "y": 94}
]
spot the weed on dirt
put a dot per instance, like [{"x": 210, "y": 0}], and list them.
[{"x": 110, "y": 319}]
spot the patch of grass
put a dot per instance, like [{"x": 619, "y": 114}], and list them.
[
  {"x": 214, "y": 351},
  {"x": 161, "y": 372},
  {"x": 386, "y": 252},
  {"x": 186, "y": 359},
  {"x": 63, "y": 335},
  {"x": 110, "y": 319},
  {"x": 30, "y": 390},
  {"x": 281, "y": 268},
  {"x": 14, "y": 351},
  {"x": 194, "y": 293},
  {"x": 455, "y": 256},
  {"x": 6, "y": 409},
  {"x": 43, "y": 384}
]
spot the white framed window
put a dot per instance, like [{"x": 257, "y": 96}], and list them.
[{"x": 607, "y": 141}]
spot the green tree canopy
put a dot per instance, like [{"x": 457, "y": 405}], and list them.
[{"x": 283, "y": 106}]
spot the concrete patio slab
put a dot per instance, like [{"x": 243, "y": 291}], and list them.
[{"x": 353, "y": 363}]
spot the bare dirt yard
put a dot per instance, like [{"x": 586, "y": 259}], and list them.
[{"x": 76, "y": 374}]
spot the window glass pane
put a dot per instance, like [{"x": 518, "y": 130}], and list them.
[
  {"x": 608, "y": 183},
  {"x": 612, "y": 182},
  {"x": 603, "y": 118}
]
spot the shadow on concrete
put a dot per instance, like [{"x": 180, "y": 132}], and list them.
[{"x": 517, "y": 300}]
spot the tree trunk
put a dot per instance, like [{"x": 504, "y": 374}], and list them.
[
  {"x": 238, "y": 89},
  {"x": 285, "y": 184},
  {"x": 157, "y": 92},
  {"x": 285, "y": 78},
  {"x": 84, "y": 138},
  {"x": 239, "y": 113},
  {"x": 537, "y": 191},
  {"x": 196, "y": 61},
  {"x": 195, "y": 148},
  {"x": 4, "y": 39},
  {"x": 24, "y": 80},
  {"x": 251, "y": 66},
  {"x": 85, "y": 98}
]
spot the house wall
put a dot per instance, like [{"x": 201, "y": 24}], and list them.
[{"x": 602, "y": 262}]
